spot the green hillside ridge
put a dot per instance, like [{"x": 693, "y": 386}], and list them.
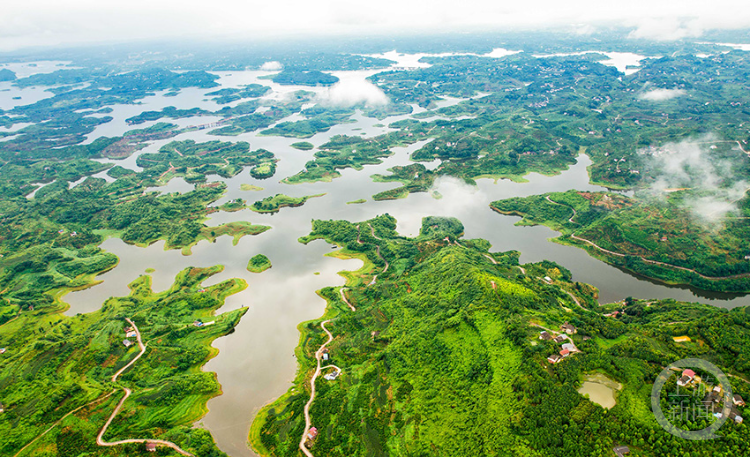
[
  {"x": 442, "y": 356},
  {"x": 55, "y": 364},
  {"x": 658, "y": 239}
]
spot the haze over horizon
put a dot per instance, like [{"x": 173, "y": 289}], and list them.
[{"x": 47, "y": 23}]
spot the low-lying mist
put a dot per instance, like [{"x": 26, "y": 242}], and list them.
[{"x": 697, "y": 166}]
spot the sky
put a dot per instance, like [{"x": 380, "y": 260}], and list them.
[{"x": 31, "y": 23}]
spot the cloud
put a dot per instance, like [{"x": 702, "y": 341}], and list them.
[
  {"x": 667, "y": 29},
  {"x": 693, "y": 165},
  {"x": 52, "y": 22},
  {"x": 348, "y": 92},
  {"x": 658, "y": 95},
  {"x": 271, "y": 66}
]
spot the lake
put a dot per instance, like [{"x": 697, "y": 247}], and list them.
[{"x": 256, "y": 363}]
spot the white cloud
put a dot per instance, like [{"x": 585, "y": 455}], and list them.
[
  {"x": 348, "y": 92},
  {"x": 691, "y": 165},
  {"x": 51, "y": 22},
  {"x": 658, "y": 95},
  {"x": 667, "y": 29},
  {"x": 271, "y": 66}
]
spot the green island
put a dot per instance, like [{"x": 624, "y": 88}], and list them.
[
  {"x": 294, "y": 77},
  {"x": 169, "y": 112},
  {"x": 341, "y": 151},
  {"x": 234, "y": 229},
  {"x": 56, "y": 373},
  {"x": 194, "y": 161},
  {"x": 357, "y": 202},
  {"x": 273, "y": 203},
  {"x": 229, "y": 95},
  {"x": 250, "y": 187},
  {"x": 417, "y": 368},
  {"x": 303, "y": 145},
  {"x": 263, "y": 171},
  {"x": 415, "y": 178},
  {"x": 318, "y": 119},
  {"x": 655, "y": 238},
  {"x": 258, "y": 264},
  {"x": 7, "y": 75}
]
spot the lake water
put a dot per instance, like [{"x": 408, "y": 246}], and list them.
[
  {"x": 256, "y": 363},
  {"x": 600, "y": 389}
]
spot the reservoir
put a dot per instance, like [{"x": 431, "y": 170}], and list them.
[{"x": 256, "y": 363}]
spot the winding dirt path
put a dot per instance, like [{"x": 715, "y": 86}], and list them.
[
  {"x": 319, "y": 353},
  {"x": 570, "y": 219},
  {"x": 653, "y": 262},
  {"x": 100, "y": 438},
  {"x": 377, "y": 251},
  {"x": 308, "y": 420},
  {"x": 741, "y": 275},
  {"x": 343, "y": 297}
]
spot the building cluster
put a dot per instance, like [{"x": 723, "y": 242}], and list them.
[
  {"x": 129, "y": 333},
  {"x": 712, "y": 401},
  {"x": 567, "y": 348}
]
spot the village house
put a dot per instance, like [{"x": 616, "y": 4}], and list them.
[
  {"x": 131, "y": 334},
  {"x": 2, "y": 350},
  {"x": 683, "y": 381},
  {"x": 554, "y": 358},
  {"x": 565, "y": 353},
  {"x": 569, "y": 328},
  {"x": 127, "y": 343},
  {"x": 151, "y": 447},
  {"x": 559, "y": 339},
  {"x": 620, "y": 451},
  {"x": 2, "y": 408},
  {"x": 737, "y": 400},
  {"x": 544, "y": 336},
  {"x": 688, "y": 373},
  {"x": 198, "y": 324},
  {"x": 325, "y": 355},
  {"x": 332, "y": 376},
  {"x": 570, "y": 347},
  {"x": 312, "y": 433}
]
